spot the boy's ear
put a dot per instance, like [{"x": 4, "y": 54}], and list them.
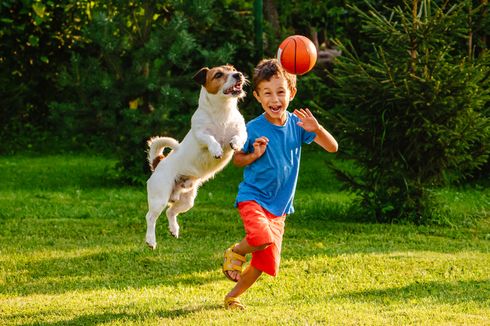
[
  {"x": 200, "y": 76},
  {"x": 257, "y": 97},
  {"x": 293, "y": 93}
]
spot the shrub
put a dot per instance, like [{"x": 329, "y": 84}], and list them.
[
  {"x": 411, "y": 111},
  {"x": 35, "y": 39},
  {"x": 131, "y": 78}
]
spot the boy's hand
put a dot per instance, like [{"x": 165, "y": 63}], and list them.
[
  {"x": 308, "y": 121},
  {"x": 323, "y": 137},
  {"x": 260, "y": 145},
  {"x": 243, "y": 159}
]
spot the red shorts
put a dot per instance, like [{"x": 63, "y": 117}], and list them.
[{"x": 261, "y": 228}]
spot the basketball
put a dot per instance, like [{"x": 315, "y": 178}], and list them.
[{"x": 297, "y": 54}]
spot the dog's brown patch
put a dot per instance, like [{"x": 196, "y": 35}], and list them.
[
  {"x": 156, "y": 160},
  {"x": 216, "y": 78},
  {"x": 213, "y": 79}
]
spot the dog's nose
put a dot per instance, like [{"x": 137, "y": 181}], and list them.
[{"x": 238, "y": 75}]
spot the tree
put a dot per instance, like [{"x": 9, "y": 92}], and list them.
[
  {"x": 411, "y": 112},
  {"x": 36, "y": 37},
  {"x": 131, "y": 77}
]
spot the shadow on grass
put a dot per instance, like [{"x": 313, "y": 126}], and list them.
[
  {"x": 316, "y": 237},
  {"x": 196, "y": 259},
  {"x": 441, "y": 292},
  {"x": 61, "y": 256},
  {"x": 56, "y": 172},
  {"x": 113, "y": 269},
  {"x": 208, "y": 230},
  {"x": 121, "y": 317}
]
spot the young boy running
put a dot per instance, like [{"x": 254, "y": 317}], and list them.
[{"x": 271, "y": 159}]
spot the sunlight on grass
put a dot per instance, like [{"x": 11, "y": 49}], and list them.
[
  {"x": 72, "y": 252},
  {"x": 405, "y": 287}
]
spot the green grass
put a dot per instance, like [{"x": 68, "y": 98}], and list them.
[{"x": 72, "y": 252}]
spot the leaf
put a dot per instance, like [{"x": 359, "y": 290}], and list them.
[
  {"x": 33, "y": 41},
  {"x": 39, "y": 9},
  {"x": 38, "y": 20},
  {"x": 386, "y": 209},
  {"x": 133, "y": 105}
]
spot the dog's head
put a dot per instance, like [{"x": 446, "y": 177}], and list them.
[{"x": 222, "y": 80}]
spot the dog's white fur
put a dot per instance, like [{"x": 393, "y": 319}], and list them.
[{"x": 217, "y": 129}]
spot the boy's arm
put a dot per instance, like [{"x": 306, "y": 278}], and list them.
[
  {"x": 326, "y": 140},
  {"x": 242, "y": 159},
  {"x": 323, "y": 137}
]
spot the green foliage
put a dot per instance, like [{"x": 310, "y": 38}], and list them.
[
  {"x": 105, "y": 76},
  {"x": 36, "y": 37},
  {"x": 131, "y": 78},
  {"x": 414, "y": 112}
]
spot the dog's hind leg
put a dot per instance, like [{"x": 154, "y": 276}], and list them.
[
  {"x": 185, "y": 202},
  {"x": 159, "y": 188},
  {"x": 151, "y": 221}
]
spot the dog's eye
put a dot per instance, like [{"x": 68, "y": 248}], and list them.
[{"x": 218, "y": 75}]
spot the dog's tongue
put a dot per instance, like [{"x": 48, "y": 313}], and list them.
[{"x": 235, "y": 88}]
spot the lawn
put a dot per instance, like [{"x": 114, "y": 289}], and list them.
[{"x": 72, "y": 252}]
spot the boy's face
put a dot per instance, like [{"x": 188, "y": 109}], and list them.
[{"x": 274, "y": 95}]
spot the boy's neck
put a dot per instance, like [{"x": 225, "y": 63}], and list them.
[{"x": 277, "y": 121}]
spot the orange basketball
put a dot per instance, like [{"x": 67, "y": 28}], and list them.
[{"x": 297, "y": 54}]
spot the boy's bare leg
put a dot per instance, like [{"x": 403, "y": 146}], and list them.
[
  {"x": 243, "y": 248},
  {"x": 247, "y": 279}
]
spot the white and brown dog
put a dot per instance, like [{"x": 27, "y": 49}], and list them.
[{"x": 217, "y": 129}]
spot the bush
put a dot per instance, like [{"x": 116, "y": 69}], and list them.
[
  {"x": 411, "y": 111},
  {"x": 131, "y": 78},
  {"x": 35, "y": 39}
]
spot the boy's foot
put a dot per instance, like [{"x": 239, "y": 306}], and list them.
[
  {"x": 232, "y": 264},
  {"x": 233, "y": 303}
]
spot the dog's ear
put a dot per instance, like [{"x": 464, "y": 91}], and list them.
[{"x": 200, "y": 76}]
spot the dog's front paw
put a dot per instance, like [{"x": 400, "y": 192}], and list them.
[
  {"x": 236, "y": 143},
  {"x": 216, "y": 151}
]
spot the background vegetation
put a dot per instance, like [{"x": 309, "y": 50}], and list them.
[
  {"x": 84, "y": 83},
  {"x": 105, "y": 76},
  {"x": 415, "y": 123}
]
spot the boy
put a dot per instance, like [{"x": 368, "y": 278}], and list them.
[{"x": 271, "y": 158}]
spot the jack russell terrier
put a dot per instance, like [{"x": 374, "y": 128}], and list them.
[{"x": 217, "y": 129}]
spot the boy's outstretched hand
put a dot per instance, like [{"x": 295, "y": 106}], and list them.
[{"x": 308, "y": 121}]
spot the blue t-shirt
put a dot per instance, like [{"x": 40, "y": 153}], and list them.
[{"x": 271, "y": 180}]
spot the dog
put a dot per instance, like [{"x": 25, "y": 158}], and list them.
[{"x": 217, "y": 130}]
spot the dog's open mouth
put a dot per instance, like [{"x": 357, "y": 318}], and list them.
[{"x": 235, "y": 90}]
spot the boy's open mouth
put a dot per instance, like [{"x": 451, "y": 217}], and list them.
[{"x": 275, "y": 109}]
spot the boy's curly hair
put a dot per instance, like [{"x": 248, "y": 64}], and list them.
[{"x": 267, "y": 68}]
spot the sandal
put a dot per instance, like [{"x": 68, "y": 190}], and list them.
[
  {"x": 228, "y": 262},
  {"x": 233, "y": 303}
]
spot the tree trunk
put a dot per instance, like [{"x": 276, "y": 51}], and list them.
[{"x": 272, "y": 16}]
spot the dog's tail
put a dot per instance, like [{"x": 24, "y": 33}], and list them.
[{"x": 156, "y": 145}]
